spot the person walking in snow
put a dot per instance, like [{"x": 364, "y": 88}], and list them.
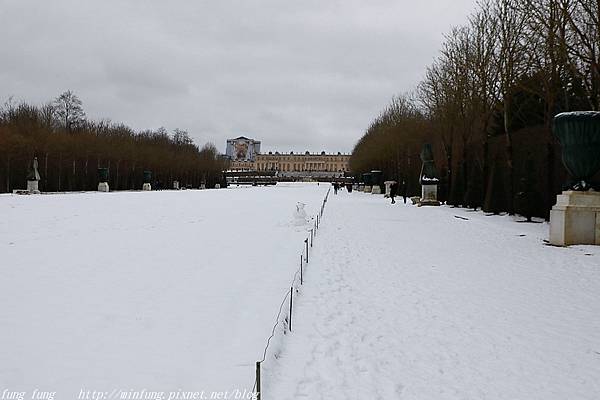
[
  {"x": 335, "y": 187},
  {"x": 404, "y": 189},
  {"x": 393, "y": 191}
]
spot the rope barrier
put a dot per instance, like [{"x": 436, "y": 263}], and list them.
[{"x": 288, "y": 293}]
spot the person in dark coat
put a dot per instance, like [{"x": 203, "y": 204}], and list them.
[
  {"x": 335, "y": 187},
  {"x": 394, "y": 191},
  {"x": 404, "y": 189}
]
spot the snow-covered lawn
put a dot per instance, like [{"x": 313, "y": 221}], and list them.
[
  {"x": 177, "y": 292},
  {"x": 403, "y": 302},
  {"x": 162, "y": 291}
]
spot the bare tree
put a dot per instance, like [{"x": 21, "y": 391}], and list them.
[
  {"x": 69, "y": 110},
  {"x": 583, "y": 18},
  {"x": 511, "y": 59}
]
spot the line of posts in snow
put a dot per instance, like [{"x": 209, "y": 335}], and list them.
[{"x": 304, "y": 260}]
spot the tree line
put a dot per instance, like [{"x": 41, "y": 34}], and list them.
[
  {"x": 70, "y": 148},
  {"x": 487, "y": 103}
]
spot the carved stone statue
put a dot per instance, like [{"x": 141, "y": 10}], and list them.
[
  {"x": 429, "y": 174},
  {"x": 33, "y": 177},
  {"x": 33, "y": 174}
]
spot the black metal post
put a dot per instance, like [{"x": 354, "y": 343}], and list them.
[
  {"x": 306, "y": 241},
  {"x": 258, "y": 380},
  {"x": 291, "y": 296}
]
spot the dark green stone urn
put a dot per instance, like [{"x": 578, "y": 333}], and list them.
[
  {"x": 579, "y": 136},
  {"x": 102, "y": 174},
  {"x": 376, "y": 178},
  {"x": 147, "y": 176}
]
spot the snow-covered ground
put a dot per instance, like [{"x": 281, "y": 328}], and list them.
[
  {"x": 155, "y": 291},
  {"x": 403, "y": 302},
  {"x": 177, "y": 292}
]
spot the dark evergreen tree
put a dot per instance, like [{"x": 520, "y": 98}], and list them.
[
  {"x": 474, "y": 194},
  {"x": 458, "y": 188},
  {"x": 528, "y": 199},
  {"x": 495, "y": 199}
]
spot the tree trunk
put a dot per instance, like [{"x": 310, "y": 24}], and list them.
[
  {"x": 509, "y": 160},
  {"x": 465, "y": 176},
  {"x": 117, "y": 176},
  {"x": 486, "y": 167},
  {"x": 59, "y": 170},
  {"x": 46, "y": 172},
  {"x": 132, "y": 181},
  {"x": 8, "y": 174},
  {"x": 86, "y": 179},
  {"x": 73, "y": 177}
]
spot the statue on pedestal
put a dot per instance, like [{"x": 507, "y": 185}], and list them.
[
  {"x": 33, "y": 177},
  {"x": 429, "y": 179}
]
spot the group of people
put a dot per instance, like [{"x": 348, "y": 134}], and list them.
[
  {"x": 395, "y": 189},
  {"x": 340, "y": 185}
]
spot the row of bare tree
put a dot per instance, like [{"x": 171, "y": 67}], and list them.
[
  {"x": 488, "y": 101},
  {"x": 70, "y": 148}
]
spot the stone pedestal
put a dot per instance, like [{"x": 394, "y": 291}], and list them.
[
  {"x": 176, "y": 185},
  {"x": 103, "y": 187},
  {"x": 203, "y": 186},
  {"x": 32, "y": 187},
  {"x": 376, "y": 189},
  {"x": 217, "y": 186},
  {"x": 575, "y": 219},
  {"x": 388, "y": 187},
  {"x": 429, "y": 196},
  {"x": 367, "y": 189},
  {"x": 146, "y": 187}
]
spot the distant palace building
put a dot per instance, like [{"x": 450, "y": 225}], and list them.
[
  {"x": 300, "y": 165},
  {"x": 245, "y": 155}
]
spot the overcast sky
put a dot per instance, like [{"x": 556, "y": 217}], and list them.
[{"x": 297, "y": 75}]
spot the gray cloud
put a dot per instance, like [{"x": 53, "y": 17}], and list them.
[{"x": 297, "y": 75}]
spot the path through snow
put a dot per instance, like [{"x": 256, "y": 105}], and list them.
[{"x": 412, "y": 303}]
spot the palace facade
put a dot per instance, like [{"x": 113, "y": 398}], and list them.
[
  {"x": 307, "y": 164},
  {"x": 291, "y": 165}
]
